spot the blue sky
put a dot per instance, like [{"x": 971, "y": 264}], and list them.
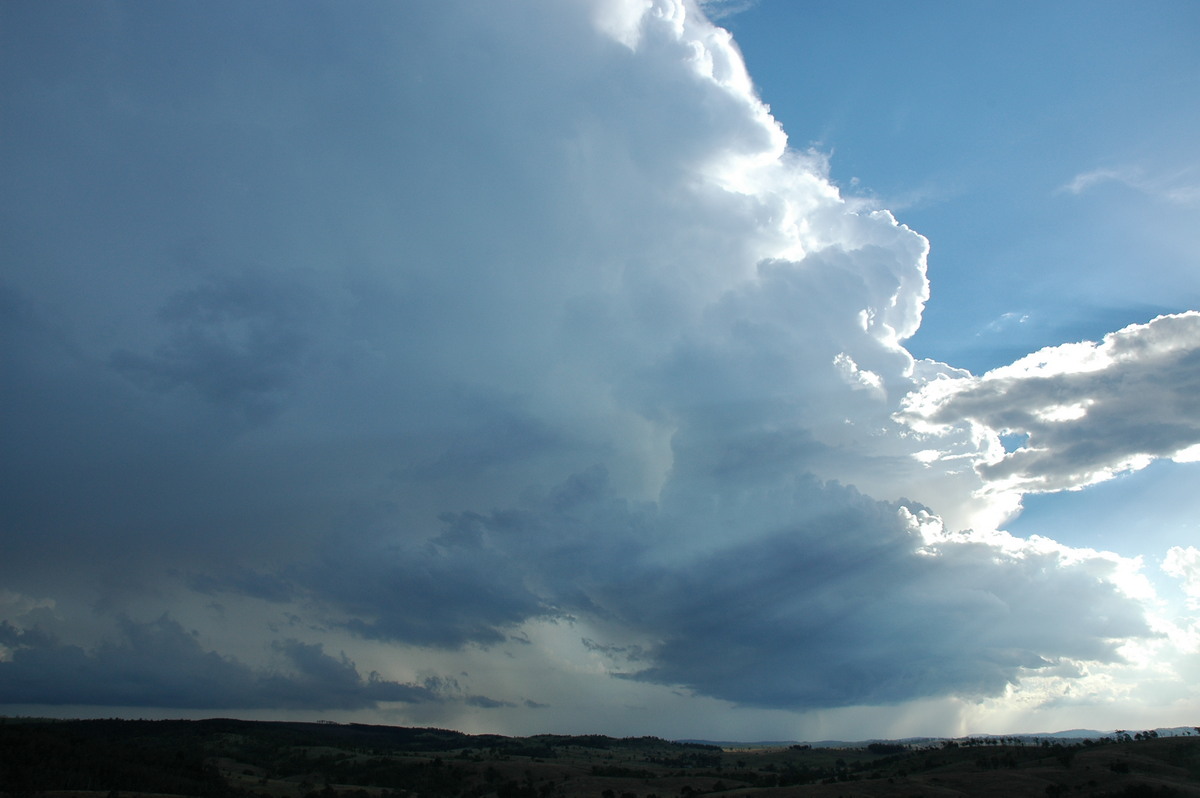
[
  {"x": 973, "y": 122},
  {"x": 810, "y": 371},
  {"x": 1046, "y": 150}
]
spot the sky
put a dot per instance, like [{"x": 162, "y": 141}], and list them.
[{"x": 739, "y": 371}]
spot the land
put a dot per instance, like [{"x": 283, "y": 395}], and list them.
[{"x": 225, "y": 758}]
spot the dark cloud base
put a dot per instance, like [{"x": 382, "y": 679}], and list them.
[
  {"x": 844, "y": 604},
  {"x": 158, "y": 664}
]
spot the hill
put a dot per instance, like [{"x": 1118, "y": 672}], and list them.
[{"x": 225, "y": 758}]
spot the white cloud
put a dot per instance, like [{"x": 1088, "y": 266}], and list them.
[
  {"x": 718, "y": 10},
  {"x": 1006, "y": 322},
  {"x": 1178, "y": 187},
  {"x": 1086, "y": 180},
  {"x": 1090, "y": 410},
  {"x": 1184, "y": 564}
]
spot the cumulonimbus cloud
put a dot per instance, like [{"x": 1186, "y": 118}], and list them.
[{"x": 445, "y": 320}]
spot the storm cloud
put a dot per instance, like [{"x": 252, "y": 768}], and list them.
[
  {"x": 412, "y": 331},
  {"x": 158, "y": 664}
]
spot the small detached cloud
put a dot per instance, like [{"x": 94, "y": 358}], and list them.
[
  {"x": 1005, "y": 322},
  {"x": 1181, "y": 187},
  {"x": 1089, "y": 410},
  {"x": 718, "y": 10}
]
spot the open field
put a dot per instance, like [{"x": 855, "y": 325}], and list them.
[{"x": 245, "y": 759}]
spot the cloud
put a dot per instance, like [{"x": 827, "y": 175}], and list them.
[
  {"x": 440, "y": 595},
  {"x": 1005, "y": 322},
  {"x": 718, "y": 10},
  {"x": 158, "y": 664},
  {"x": 1090, "y": 410},
  {"x": 1086, "y": 180},
  {"x": 1179, "y": 187},
  {"x": 823, "y": 599},
  {"x": 444, "y": 323},
  {"x": 268, "y": 587},
  {"x": 1184, "y": 564},
  {"x": 239, "y": 342}
]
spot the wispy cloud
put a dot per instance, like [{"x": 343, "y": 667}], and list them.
[
  {"x": 1005, "y": 322},
  {"x": 1181, "y": 186},
  {"x": 718, "y": 10}
]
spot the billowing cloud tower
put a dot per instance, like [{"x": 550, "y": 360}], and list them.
[{"x": 486, "y": 364}]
